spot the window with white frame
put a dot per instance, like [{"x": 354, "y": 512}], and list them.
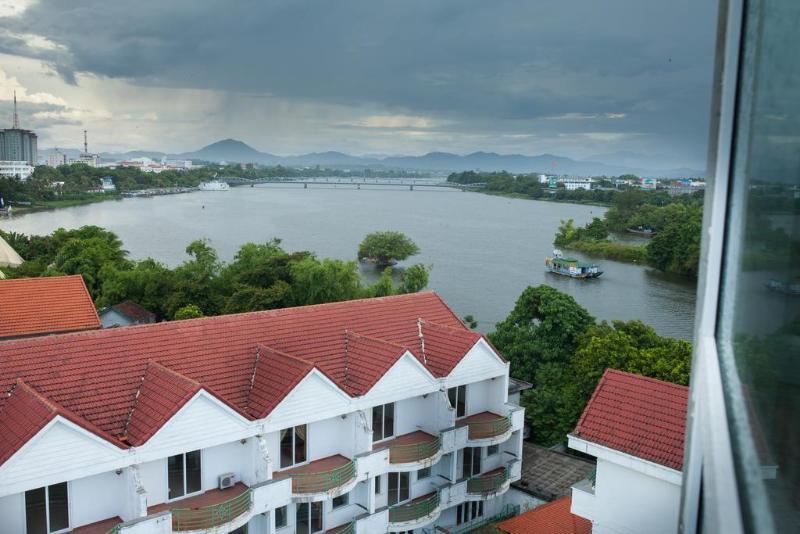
[
  {"x": 468, "y": 511},
  {"x": 281, "y": 517},
  {"x": 471, "y": 462},
  {"x": 308, "y": 517},
  {"x": 398, "y": 487},
  {"x": 184, "y": 474},
  {"x": 383, "y": 422},
  {"x": 458, "y": 400},
  {"x": 47, "y": 509},
  {"x": 424, "y": 473},
  {"x": 293, "y": 446}
]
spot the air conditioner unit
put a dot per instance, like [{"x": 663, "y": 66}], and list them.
[{"x": 227, "y": 480}]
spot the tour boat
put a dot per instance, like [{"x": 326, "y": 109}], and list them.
[
  {"x": 573, "y": 268},
  {"x": 214, "y": 185}
]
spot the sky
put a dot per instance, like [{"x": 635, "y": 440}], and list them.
[{"x": 577, "y": 78}]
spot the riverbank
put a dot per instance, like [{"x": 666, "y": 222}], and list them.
[
  {"x": 523, "y": 196},
  {"x": 611, "y": 250},
  {"x": 41, "y": 205}
]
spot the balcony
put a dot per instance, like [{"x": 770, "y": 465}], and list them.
[
  {"x": 489, "y": 484},
  {"x": 416, "y": 513},
  {"x": 415, "y": 450},
  {"x": 209, "y": 510},
  {"x": 321, "y": 479},
  {"x": 486, "y": 428},
  {"x": 347, "y": 528}
]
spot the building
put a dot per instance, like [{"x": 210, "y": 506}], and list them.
[
  {"x": 108, "y": 183},
  {"x": 17, "y": 144},
  {"x": 47, "y": 305},
  {"x": 635, "y": 427},
  {"x": 18, "y": 169},
  {"x": 126, "y": 313},
  {"x": 552, "y": 518},
  {"x": 56, "y": 158},
  {"x": 571, "y": 184},
  {"x": 369, "y": 416},
  {"x": 548, "y": 474},
  {"x": 648, "y": 183}
]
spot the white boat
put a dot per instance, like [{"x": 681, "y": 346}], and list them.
[{"x": 214, "y": 185}]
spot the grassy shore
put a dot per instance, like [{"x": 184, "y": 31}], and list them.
[
  {"x": 611, "y": 250},
  {"x": 544, "y": 199},
  {"x": 67, "y": 202}
]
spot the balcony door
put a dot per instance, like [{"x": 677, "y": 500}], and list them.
[
  {"x": 308, "y": 518},
  {"x": 184, "y": 474},
  {"x": 471, "y": 464},
  {"x": 398, "y": 488}
]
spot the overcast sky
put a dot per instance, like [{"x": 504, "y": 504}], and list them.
[{"x": 571, "y": 77}]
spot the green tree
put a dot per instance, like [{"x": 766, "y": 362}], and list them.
[
  {"x": 148, "y": 283},
  {"x": 328, "y": 280},
  {"x": 414, "y": 278},
  {"x": 190, "y": 311},
  {"x": 386, "y": 248}
]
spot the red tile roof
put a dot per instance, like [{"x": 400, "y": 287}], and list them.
[
  {"x": 129, "y": 381},
  {"x": 134, "y": 312},
  {"x": 47, "y": 305},
  {"x": 637, "y": 415},
  {"x": 551, "y": 518}
]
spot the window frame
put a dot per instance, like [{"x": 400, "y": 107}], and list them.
[
  {"x": 344, "y": 500},
  {"x": 294, "y": 463},
  {"x": 389, "y": 489},
  {"x": 382, "y": 408},
  {"x": 183, "y": 457},
  {"x": 427, "y": 476},
  {"x": 309, "y": 507},
  {"x": 285, "y": 509},
  {"x": 47, "y": 508},
  {"x": 460, "y": 396}
]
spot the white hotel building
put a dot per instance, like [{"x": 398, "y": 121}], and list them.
[{"x": 370, "y": 416}]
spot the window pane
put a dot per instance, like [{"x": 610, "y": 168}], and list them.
[
  {"x": 423, "y": 473},
  {"x": 59, "y": 506},
  {"x": 193, "y": 478},
  {"x": 341, "y": 500},
  {"x": 377, "y": 423},
  {"x": 302, "y": 525},
  {"x": 316, "y": 516},
  {"x": 287, "y": 455},
  {"x": 388, "y": 420},
  {"x": 759, "y": 325},
  {"x": 393, "y": 487},
  {"x": 466, "y": 466},
  {"x": 451, "y": 396},
  {"x": 35, "y": 514},
  {"x": 404, "y": 483},
  {"x": 492, "y": 450},
  {"x": 175, "y": 476},
  {"x": 461, "y": 406},
  {"x": 299, "y": 444},
  {"x": 377, "y": 485},
  {"x": 280, "y": 517},
  {"x": 476, "y": 460}
]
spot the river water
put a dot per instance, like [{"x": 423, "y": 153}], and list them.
[{"x": 484, "y": 249}]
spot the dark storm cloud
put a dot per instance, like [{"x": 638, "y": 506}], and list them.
[{"x": 467, "y": 60}]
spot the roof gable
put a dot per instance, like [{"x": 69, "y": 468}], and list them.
[
  {"x": 551, "y": 518},
  {"x": 275, "y": 374},
  {"x": 637, "y": 415},
  {"x": 441, "y": 347},
  {"x": 22, "y": 414},
  {"x": 35, "y": 306}
]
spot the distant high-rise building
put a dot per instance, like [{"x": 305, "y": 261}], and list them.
[
  {"x": 56, "y": 158},
  {"x": 17, "y": 144}
]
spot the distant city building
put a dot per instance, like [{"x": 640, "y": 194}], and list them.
[
  {"x": 108, "y": 183},
  {"x": 56, "y": 158},
  {"x": 571, "y": 184},
  {"x": 542, "y": 178},
  {"x": 648, "y": 183},
  {"x": 17, "y": 144},
  {"x": 20, "y": 169}
]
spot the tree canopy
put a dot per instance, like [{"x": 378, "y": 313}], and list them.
[{"x": 386, "y": 248}]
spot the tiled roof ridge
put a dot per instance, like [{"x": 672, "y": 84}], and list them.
[
  {"x": 257, "y": 358},
  {"x": 610, "y": 371},
  {"x": 351, "y": 333}
]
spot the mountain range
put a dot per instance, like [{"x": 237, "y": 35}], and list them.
[{"x": 614, "y": 164}]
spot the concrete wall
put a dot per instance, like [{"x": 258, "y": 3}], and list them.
[
  {"x": 96, "y": 498},
  {"x": 12, "y": 510},
  {"x": 154, "y": 479}
]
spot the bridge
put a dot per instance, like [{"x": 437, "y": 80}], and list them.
[{"x": 355, "y": 182}]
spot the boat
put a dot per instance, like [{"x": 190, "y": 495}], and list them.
[
  {"x": 214, "y": 185},
  {"x": 571, "y": 267},
  {"x": 642, "y": 230}
]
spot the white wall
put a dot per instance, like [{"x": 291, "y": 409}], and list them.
[
  {"x": 12, "y": 510},
  {"x": 96, "y": 498},
  {"x": 629, "y": 501},
  {"x": 229, "y": 458},
  {"x": 154, "y": 479},
  {"x": 485, "y": 396},
  {"x": 414, "y": 414},
  {"x": 330, "y": 436}
]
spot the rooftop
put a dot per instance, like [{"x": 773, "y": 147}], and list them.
[
  {"x": 548, "y": 474},
  {"x": 125, "y": 383},
  {"x": 551, "y": 518},
  {"x": 133, "y": 311},
  {"x": 637, "y": 415},
  {"x": 47, "y": 305}
]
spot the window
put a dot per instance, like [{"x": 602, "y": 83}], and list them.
[
  {"x": 458, "y": 400},
  {"x": 341, "y": 500},
  {"x": 183, "y": 474},
  {"x": 309, "y": 517},
  {"x": 47, "y": 509},
  {"x": 491, "y": 450},
  {"x": 293, "y": 446},
  {"x": 472, "y": 462},
  {"x": 469, "y": 511},
  {"x": 378, "y": 485},
  {"x": 398, "y": 488},
  {"x": 424, "y": 473},
  {"x": 383, "y": 422},
  {"x": 281, "y": 517},
  {"x": 240, "y": 530}
]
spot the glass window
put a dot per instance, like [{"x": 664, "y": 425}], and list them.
[
  {"x": 422, "y": 474},
  {"x": 281, "y": 517},
  {"x": 184, "y": 474},
  {"x": 47, "y": 509},
  {"x": 471, "y": 465},
  {"x": 341, "y": 500},
  {"x": 458, "y": 400},
  {"x": 293, "y": 446},
  {"x": 398, "y": 488},
  {"x": 378, "y": 485},
  {"x": 383, "y": 422},
  {"x": 758, "y": 329},
  {"x": 309, "y": 517},
  {"x": 491, "y": 450}
]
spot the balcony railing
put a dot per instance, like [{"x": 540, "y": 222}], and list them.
[
  {"x": 211, "y": 516},
  {"x": 488, "y": 483},
  {"x": 323, "y": 480},
  {"x": 489, "y": 429},
  {"x": 349, "y": 528},
  {"x": 414, "y": 509},
  {"x": 414, "y": 452}
]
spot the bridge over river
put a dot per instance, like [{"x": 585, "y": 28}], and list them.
[{"x": 355, "y": 182}]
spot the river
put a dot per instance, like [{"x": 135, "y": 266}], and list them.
[{"x": 484, "y": 249}]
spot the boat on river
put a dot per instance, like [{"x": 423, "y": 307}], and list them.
[
  {"x": 571, "y": 267},
  {"x": 642, "y": 230},
  {"x": 214, "y": 185}
]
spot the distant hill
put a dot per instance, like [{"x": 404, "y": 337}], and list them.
[{"x": 235, "y": 151}]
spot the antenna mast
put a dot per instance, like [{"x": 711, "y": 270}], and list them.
[
  {"x": 16, "y": 117},
  {"x": 85, "y": 143}
]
